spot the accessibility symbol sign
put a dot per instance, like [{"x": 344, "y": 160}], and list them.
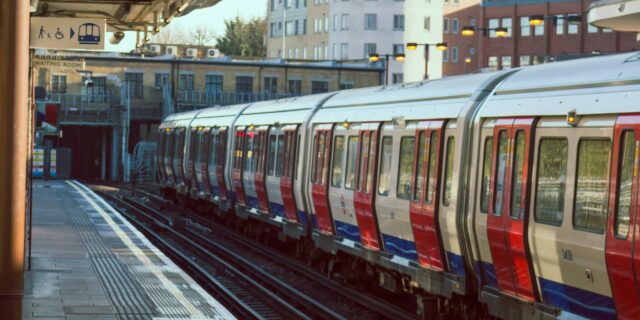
[{"x": 68, "y": 33}]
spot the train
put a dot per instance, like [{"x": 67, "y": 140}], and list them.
[{"x": 511, "y": 194}]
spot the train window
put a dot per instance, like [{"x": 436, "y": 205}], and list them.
[
  {"x": 422, "y": 150},
  {"x": 625, "y": 183},
  {"x": 316, "y": 153},
  {"x": 384, "y": 176},
  {"x": 501, "y": 168},
  {"x": 518, "y": 169},
  {"x": 193, "y": 145},
  {"x": 291, "y": 153},
  {"x": 248, "y": 159},
  {"x": 272, "y": 155},
  {"x": 213, "y": 148},
  {"x": 552, "y": 175},
  {"x": 352, "y": 155},
  {"x": 280, "y": 156},
  {"x": 431, "y": 174},
  {"x": 487, "y": 160},
  {"x": 448, "y": 171},
  {"x": 592, "y": 185},
  {"x": 336, "y": 170},
  {"x": 321, "y": 154},
  {"x": 405, "y": 168},
  {"x": 372, "y": 161},
  {"x": 257, "y": 156},
  {"x": 364, "y": 150}
]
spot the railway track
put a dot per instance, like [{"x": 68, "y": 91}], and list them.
[
  {"x": 242, "y": 286},
  {"x": 200, "y": 229}
]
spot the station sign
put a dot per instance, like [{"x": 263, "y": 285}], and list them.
[
  {"x": 68, "y": 33},
  {"x": 58, "y": 63}
]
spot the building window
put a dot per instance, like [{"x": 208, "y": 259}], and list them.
[
  {"x": 186, "y": 82},
  {"x": 59, "y": 84},
  {"x": 244, "y": 84},
  {"x": 346, "y": 85},
  {"x": 507, "y": 23},
  {"x": 455, "y": 25},
  {"x": 398, "y": 48},
  {"x": 96, "y": 93},
  {"x": 319, "y": 86},
  {"x": 397, "y": 78},
  {"x": 369, "y": 48},
  {"x": 370, "y": 21},
  {"x": 493, "y": 24},
  {"x": 427, "y": 24},
  {"x": 161, "y": 79},
  {"x": 213, "y": 83},
  {"x": 271, "y": 85},
  {"x": 134, "y": 81},
  {"x": 506, "y": 62},
  {"x": 304, "y": 26},
  {"x": 335, "y": 22},
  {"x": 445, "y": 55},
  {"x": 573, "y": 28},
  {"x": 398, "y": 22},
  {"x": 454, "y": 54},
  {"x": 559, "y": 24},
  {"x": 525, "y": 61},
  {"x": 344, "y": 23},
  {"x": 295, "y": 87},
  {"x": 525, "y": 27},
  {"x": 326, "y": 24},
  {"x": 492, "y": 62},
  {"x": 591, "y": 28},
  {"x": 539, "y": 29},
  {"x": 445, "y": 26},
  {"x": 344, "y": 51}
]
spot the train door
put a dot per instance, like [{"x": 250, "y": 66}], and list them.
[
  {"x": 319, "y": 177},
  {"x": 623, "y": 232},
  {"x": 178, "y": 156},
  {"x": 160, "y": 155},
  {"x": 508, "y": 210},
  {"x": 260, "y": 176},
  {"x": 238, "y": 161},
  {"x": 365, "y": 188},
  {"x": 216, "y": 158},
  {"x": 201, "y": 161},
  {"x": 168, "y": 157},
  {"x": 250, "y": 167},
  {"x": 344, "y": 176},
  {"x": 286, "y": 180},
  {"x": 191, "y": 169},
  {"x": 423, "y": 208}
]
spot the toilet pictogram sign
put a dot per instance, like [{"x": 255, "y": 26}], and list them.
[{"x": 68, "y": 33}]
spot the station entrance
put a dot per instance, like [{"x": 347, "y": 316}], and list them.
[{"x": 90, "y": 151}]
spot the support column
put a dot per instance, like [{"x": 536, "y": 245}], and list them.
[
  {"x": 14, "y": 108},
  {"x": 103, "y": 158},
  {"x": 115, "y": 151}
]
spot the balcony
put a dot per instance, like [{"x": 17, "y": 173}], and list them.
[
  {"x": 82, "y": 109},
  {"x": 619, "y": 15},
  {"x": 196, "y": 99}
]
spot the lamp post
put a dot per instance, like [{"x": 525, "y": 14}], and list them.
[
  {"x": 375, "y": 57},
  {"x": 538, "y": 19},
  {"x": 440, "y": 46},
  {"x": 468, "y": 31}
]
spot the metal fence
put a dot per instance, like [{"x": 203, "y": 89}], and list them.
[{"x": 83, "y": 109}]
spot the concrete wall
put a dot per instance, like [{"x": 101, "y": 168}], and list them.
[{"x": 415, "y": 12}]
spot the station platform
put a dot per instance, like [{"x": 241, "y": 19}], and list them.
[{"x": 88, "y": 262}]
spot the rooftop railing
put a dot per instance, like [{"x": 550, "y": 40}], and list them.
[{"x": 84, "y": 109}]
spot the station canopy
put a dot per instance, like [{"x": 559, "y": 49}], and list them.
[{"x": 121, "y": 15}]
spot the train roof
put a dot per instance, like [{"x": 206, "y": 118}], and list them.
[
  {"x": 435, "y": 99},
  {"x": 597, "y": 85},
  {"x": 285, "y": 111},
  {"x": 219, "y": 116},
  {"x": 180, "y": 119}
]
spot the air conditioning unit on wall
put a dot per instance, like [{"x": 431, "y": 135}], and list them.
[
  {"x": 154, "y": 48},
  {"x": 192, "y": 52},
  {"x": 172, "y": 50},
  {"x": 213, "y": 52}
]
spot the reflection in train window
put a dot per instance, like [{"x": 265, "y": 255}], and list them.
[
  {"x": 422, "y": 150},
  {"x": 518, "y": 169},
  {"x": 552, "y": 175},
  {"x": 405, "y": 168},
  {"x": 280, "y": 156},
  {"x": 384, "y": 178},
  {"x": 592, "y": 185},
  {"x": 431, "y": 175},
  {"x": 249, "y": 147},
  {"x": 372, "y": 163},
  {"x": 487, "y": 160},
  {"x": 625, "y": 183},
  {"x": 352, "y": 154},
  {"x": 364, "y": 150},
  {"x": 314, "y": 157},
  {"x": 501, "y": 168},
  {"x": 272, "y": 155},
  {"x": 448, "y": 172},
  {"x": 336, "y": 170}
]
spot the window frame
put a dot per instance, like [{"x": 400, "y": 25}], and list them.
[{"x": 537, "y": 179}]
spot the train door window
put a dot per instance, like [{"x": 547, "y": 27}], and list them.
[
  {"x": 551, "y": 181},
  {"x": 338, "y": 153},
  {"x": 448, "y": 171},
  {"x": 487, "y": 160},
  {"x": 213, "y": 148},
  {"x": 193, "y": 144},
  {"x": 179, "y": 151},
  {"x": 432, "y": 174},
  {"x": 518, "y": 169},
  {"x": 625, "y": 183},
  {"x": 280, "y": 156},
  {"x": 248, "y": 147},
  {"x": 169, "y": 147},
  {"x": 316, "y": 154},
  {"x": 291, "y": 154},
  {"x": 286, "y": 158},
  {"x": 257, "y": 157},
  {"x": 384, "y": 176},
  {"x": 592, "y": 185},
  {"x": 405, "y": 168},
  {"x": 501, "y": 167},
  {"x": 372, "y": 158},
  {"x": 352, "y": 158},
  {"x": 319, "y": 166},
  {"x": 364, "y": 150},
  {"x": 272, "y": 155},
  {"x": 422, "y": 146},
  {"x": 239, "y": 150}
]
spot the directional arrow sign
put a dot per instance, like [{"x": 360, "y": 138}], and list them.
[{"x": 51, "y": 33}]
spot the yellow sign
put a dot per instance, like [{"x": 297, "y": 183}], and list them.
[{"x": 58, "y": 63}]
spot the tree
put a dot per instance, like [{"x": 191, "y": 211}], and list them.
[
  {"x": 170, "y": 35},
  {"x": 243, "y": 38},
  {"x": 202, "y": 35}
]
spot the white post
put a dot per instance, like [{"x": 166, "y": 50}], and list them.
[{"x": 284, "y": 28}]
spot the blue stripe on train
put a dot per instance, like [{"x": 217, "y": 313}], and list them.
[
  {"x": 302, "y": 218},
  {"x": 576, "y": 300},
  {"x": 314, "y": 221},
  {"x": 348, "y": 231},
  {"x": 276, "y": 209},
  {"x": 252, "y": 202},
  {"x": 456, "y": 264},
  {"x": 400, "y": 247},
  {"x": 488, "y": 272}
]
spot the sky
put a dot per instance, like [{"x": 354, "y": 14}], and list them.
[{"x": 213, "y": 17}]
